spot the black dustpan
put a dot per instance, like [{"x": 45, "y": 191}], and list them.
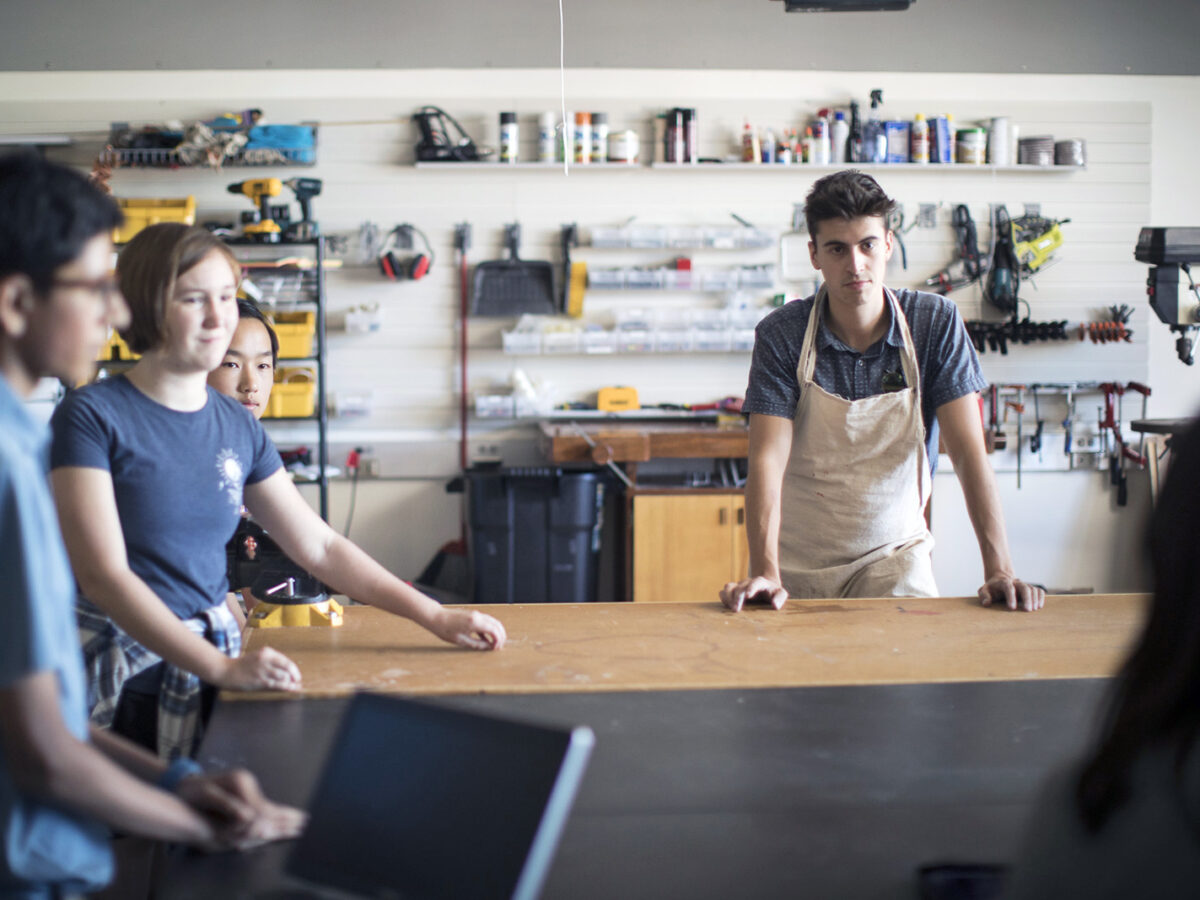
[{"x": 510, "y": 287}]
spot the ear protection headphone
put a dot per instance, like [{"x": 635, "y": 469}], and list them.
[{"x": 413, "y": 268}]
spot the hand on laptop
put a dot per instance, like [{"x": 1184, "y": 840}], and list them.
[{"x": 241, "y": 815}]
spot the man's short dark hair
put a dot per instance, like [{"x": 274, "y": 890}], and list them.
[
  {"x": 848, "y": 194},
  {"x": 247, "y": 309},
  {"x": 48, "y": 212}
]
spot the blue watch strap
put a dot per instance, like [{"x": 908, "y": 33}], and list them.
[{"x": 177, "y": 771}]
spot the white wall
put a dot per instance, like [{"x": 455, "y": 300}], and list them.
[{"x": 1064, "y": 527}]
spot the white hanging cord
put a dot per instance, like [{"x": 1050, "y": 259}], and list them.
[{"x": 562, "y": 84}]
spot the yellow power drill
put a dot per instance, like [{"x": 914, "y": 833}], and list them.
[{"x": 260, "y": 191}]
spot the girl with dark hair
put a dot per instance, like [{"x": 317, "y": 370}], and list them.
[{"x": 1128, "y": 823}]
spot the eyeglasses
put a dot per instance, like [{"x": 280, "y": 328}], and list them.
[{"x": 105, "y": 287}]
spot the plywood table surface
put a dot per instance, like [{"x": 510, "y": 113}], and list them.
[{"x": 673, "y": 646}]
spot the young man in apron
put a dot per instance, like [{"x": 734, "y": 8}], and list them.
[{"x": 847, "y": 392}]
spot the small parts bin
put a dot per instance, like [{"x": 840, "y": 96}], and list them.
[
  {"x": 535, "y": 534},
  {"x": 141, "y": 212},
  {"x": 295, "y": 331},
  {"x": 293, "y": 395}
]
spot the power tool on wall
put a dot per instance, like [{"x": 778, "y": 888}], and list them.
[
  {"x": 1169, "y": 252},
  {"x": 260, "y": 225},
  {"x": 304, "y": 189}
]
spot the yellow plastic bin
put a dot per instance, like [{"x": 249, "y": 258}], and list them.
[
  {"x": 295, "y": 331},
  {"x": 294, "y": 394},
  {"x": 143, "y": 211}
]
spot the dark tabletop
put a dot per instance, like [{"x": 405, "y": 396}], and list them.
[{"x": 821, "y": 791}]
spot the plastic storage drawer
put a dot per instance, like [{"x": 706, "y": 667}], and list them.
[{"x": 535, "y": 534}]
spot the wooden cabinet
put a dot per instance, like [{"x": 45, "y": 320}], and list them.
[{"x": 687, "y": 545}]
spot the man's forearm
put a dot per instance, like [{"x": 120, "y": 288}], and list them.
[
  {"x": 762, "y": 525},
  {"x": 987, "y": 518}
]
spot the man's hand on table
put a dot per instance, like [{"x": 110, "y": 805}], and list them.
[
  {"x": 757, "y": 590},
  {"x": 1013, "y": 592},
  {"x": 468, "y": 628},
  {"x": 239, "y": 813}
]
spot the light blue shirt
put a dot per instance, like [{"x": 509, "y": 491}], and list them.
[{"x": 42, "y": 845}]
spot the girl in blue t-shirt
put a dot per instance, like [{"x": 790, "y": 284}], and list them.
[{"x": 150, "y": 470}]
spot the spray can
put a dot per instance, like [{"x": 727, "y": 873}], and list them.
[
  {"x": 919, "y": 152},
  {"x": 839, "y": 137},
  {"x": 583, "y": 138},
  {"x": 546, "y": 142},
  {"x": 599, "y": 137},
  {"x": 676, "y": 136},
  {"x": 691, "y": 139},
  {"x": 510, "y": 137}
]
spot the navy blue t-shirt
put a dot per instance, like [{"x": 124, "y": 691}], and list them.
[{"x": 178, "y": 479}]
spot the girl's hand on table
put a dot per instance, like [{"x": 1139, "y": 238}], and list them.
[
  {"x": 264, "y": 669},
  {"x": 468, "y": 628}
]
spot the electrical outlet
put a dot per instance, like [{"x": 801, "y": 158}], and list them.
[
  {"x": 368, "y": 466},
  {"x": 927, "y": 215}
]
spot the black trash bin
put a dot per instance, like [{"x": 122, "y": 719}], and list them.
[{"x": 535, "y": 534}]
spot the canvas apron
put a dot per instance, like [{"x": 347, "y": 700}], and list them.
[{"x": 852, "y": 518}]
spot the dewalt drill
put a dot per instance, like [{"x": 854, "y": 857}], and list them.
[
  {"x": 260, "y": 191},
  {"x": 304, "y": 189}
]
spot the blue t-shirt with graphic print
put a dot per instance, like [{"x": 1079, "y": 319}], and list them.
[{"x": 177, "y": 476}]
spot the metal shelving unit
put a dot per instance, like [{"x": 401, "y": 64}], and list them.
[{"x": 315, "y": 290}]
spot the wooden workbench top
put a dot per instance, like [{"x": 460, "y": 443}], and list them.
[{"x": 669, "y": 646}]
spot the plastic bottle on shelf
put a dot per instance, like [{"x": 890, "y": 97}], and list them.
[
  {"x": 768, "y": 147},
  {"x": 806, "y": 144},
  {"x": 874, "y": 133},
  {"x": 839, "y": 137},
  {"x": 919, "y": 149},
  {"x": 821, "y": 145},
  {"x": 854, "y": 140},
  {"x": 749, "y": 144},
  {"x": 660, "y": 138}
]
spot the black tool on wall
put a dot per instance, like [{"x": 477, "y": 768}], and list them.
[
  {"x": 1003, "y": 280},
  {"x": 513, "y": 286},
  {"x": 437, "y": 143}
]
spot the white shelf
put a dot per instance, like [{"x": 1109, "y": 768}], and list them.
[
  {"x": 526, "y": 166},
  {"x": 943, "y": 168}
]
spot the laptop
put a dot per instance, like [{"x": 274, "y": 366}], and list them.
[{"x": 422, "y": 801}]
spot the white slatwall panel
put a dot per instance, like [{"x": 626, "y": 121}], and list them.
[{"x": 409, "y": 366}]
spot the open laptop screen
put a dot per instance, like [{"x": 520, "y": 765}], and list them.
[{"x": 422, "y": 801}]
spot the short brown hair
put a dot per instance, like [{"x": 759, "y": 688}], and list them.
[
  {"x": 849, "y": 194},
  {"x": 148, "y": 268}
]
